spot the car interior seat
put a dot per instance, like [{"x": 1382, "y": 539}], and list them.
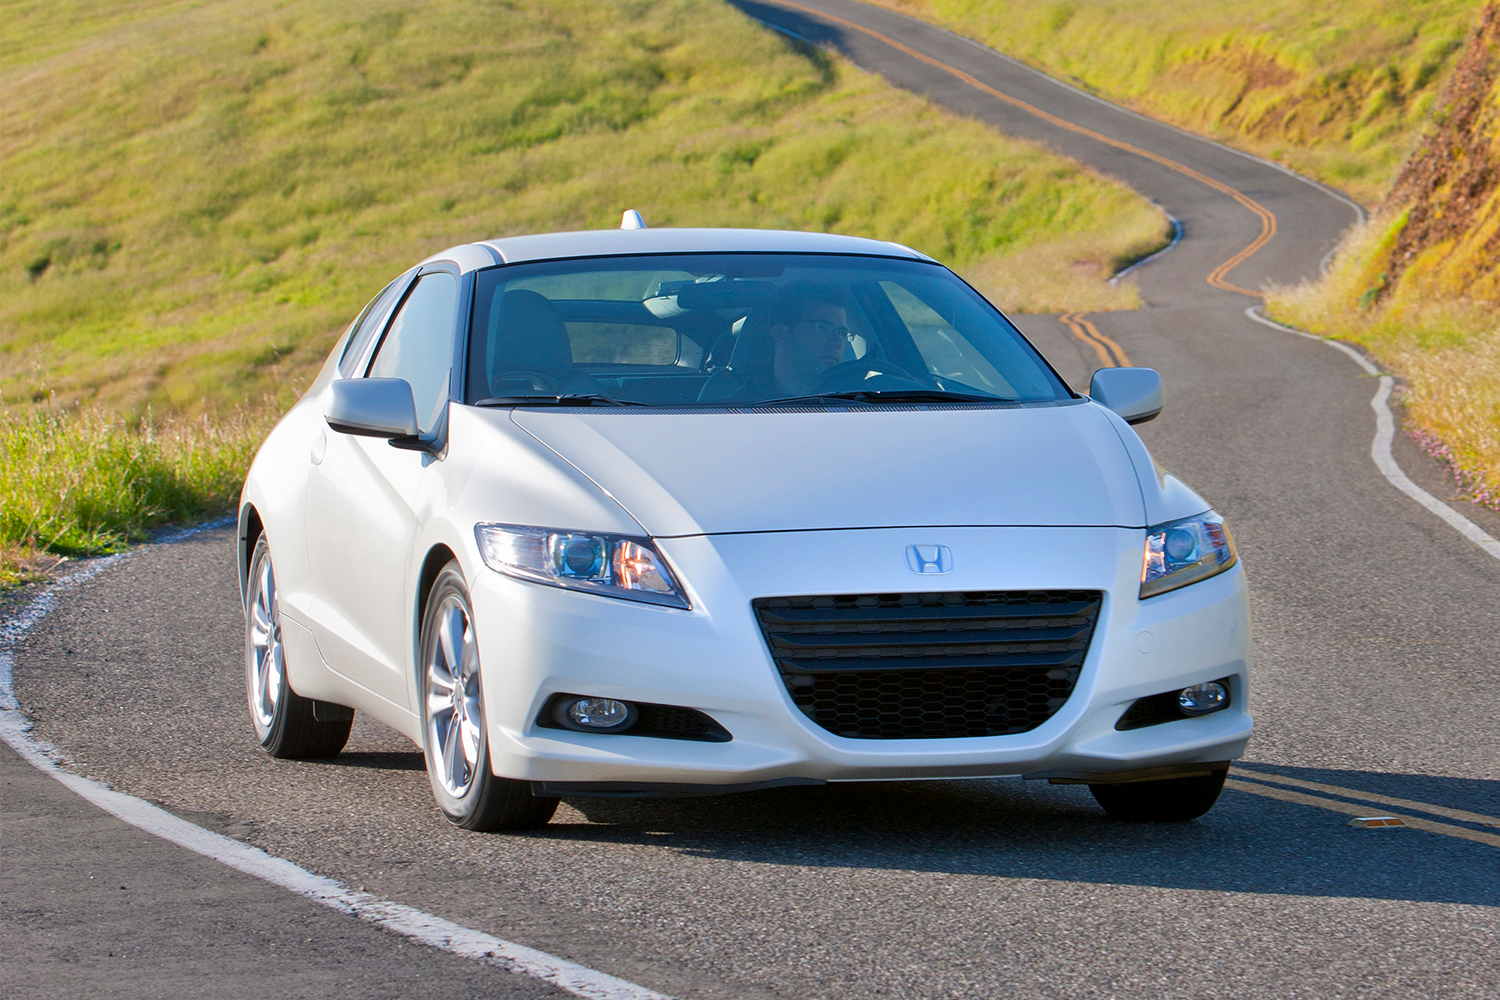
[
  {"x": 530, "y": 351},
  {"x": 750, "y": 358}
]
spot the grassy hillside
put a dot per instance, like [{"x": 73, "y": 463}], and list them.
[
  {"x": 197, "y": 196},
  {"x": 1338, "y": 90},
  {"x": 1420, "y": 284}
]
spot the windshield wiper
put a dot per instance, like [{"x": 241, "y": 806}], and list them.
[
  {"x": 569, "y": 399},
  {"x": 889, "y": 396}
]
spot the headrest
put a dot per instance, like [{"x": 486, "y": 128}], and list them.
[
  {"x": 753, "y": 349},
  {"x": 527, "y": 334}
]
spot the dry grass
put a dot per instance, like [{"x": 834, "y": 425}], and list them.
[
  {"x": 1070, "y": 274},
  {"x": 1448, "y": 349}
]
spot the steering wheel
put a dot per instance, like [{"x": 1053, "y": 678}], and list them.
[
  {"x": 874, "y": 374},
  {"x": 540, "y": 381}
]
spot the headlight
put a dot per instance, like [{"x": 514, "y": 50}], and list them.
[
  {"x": 612, "y": 565},
  {"x": 1182, "y": 552}
]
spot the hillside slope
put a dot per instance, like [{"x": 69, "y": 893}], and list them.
[
  {"x": 197, "y": 196},
  {"x": 1339, "y": 91},
  {"x": 1445, "y": 239},
  {"x": 1420, "y": 284}
]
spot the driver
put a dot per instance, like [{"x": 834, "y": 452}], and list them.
[{"x": 809, "y": 335}]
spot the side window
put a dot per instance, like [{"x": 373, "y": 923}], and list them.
[
  {"x": 368, "y": 324},
  {"x": 419, "y": 345}
]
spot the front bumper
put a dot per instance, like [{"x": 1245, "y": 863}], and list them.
[{"x": 536, "y": 641}]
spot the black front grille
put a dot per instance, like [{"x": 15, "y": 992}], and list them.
[{"x": 925, "y": 666}]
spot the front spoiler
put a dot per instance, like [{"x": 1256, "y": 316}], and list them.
[{"x": 675, "y": 790}]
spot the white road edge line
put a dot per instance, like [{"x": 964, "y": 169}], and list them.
[
  {"x": 408, "y": 921},
  {"x": 1385, "y": 433}
]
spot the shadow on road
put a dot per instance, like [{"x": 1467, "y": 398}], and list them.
[
  {"x": 1010, "y": 829},
  {"x": 394, "y": 760}
]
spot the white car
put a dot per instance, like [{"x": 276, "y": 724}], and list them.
[{"x": 689, "y": 511}]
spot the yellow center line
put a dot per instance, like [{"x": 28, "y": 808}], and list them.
[
  {"x": 1216, "y": 277},
  {"x": 1111, "y": 354},
  {"x": 1071, "y": 321},
  {"x": 1461, "y": 815},
  {"x": 1350, "y": 809},
  {"x": 1121, "y": 360}
]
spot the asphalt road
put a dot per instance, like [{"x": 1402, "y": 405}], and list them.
[{"x": 1377, "y": 642}]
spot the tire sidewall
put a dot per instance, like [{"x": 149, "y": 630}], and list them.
[
  {"x": 463, "y": 810},
  {"x": 259, "y": 556}
]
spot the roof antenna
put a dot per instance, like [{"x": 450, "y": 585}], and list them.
[{"x": 632, "y": 220}]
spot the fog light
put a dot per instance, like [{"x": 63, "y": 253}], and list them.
[
  {"x": 596, "y": 715},
  {"x": 1201, "y": 699}
]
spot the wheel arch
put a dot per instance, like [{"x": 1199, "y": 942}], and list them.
[
  {"x": 250, "y": 528},
  {"x": 437, "y": 557}
]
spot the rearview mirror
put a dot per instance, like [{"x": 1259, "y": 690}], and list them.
[
  {"x": 1133, "y": 393},
  {"x": 372, "y": 407}
]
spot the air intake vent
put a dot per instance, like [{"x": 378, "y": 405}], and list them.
[{"x": 930, "y": 666}]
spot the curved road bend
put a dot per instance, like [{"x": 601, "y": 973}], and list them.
[{"x": 1378, "y": 629}]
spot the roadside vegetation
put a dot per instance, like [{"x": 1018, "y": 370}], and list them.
[
  {"x": 85, "y": 482},
  {"x": 1420, "y": 283},
  {"x": 197, "y": 196},
  {"x": 1338, "y": 91}
]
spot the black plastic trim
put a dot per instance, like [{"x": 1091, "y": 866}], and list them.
[
  {"x": 932, "y": 665},
  {"x": 1153, "y": 710},
  {"x": 1158, "y": 773},
  {"x": 657, "y": 789}
]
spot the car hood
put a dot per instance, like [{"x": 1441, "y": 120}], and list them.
[{"x": 712, "y": 473}]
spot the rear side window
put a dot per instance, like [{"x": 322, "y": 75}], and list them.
[
  {"x": 419, "y": 345},
  {"x": 368, "y": 325}
]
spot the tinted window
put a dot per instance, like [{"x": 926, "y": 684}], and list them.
[
  {"x": 622, "y": 344},
  {"x": 419, "y": 345},
  {"x": 710, "y": 329},
  {"x": 368, "y": 325}
]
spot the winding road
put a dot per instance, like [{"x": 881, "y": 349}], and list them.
[{"x": 1377, "y": 691}]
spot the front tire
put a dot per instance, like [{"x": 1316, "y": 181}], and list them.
[
  {"x": 454, "y": 732},
  {"x": 1175, "y": 800},
  {"x": 286, "y": 724}
]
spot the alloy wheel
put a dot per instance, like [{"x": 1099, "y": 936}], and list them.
[
  {"x": 266, "y": 660},
  {"x": 455, "y": 719}
]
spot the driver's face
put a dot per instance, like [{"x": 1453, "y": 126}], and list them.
[{"x": 810, "y": 346}]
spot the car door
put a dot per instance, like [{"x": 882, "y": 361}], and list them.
[{"x": 364, "y": 499}]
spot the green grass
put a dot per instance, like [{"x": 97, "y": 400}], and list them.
[
  {"x": 198, "y": 196},
  {"x": 85, "y": 483},
  {"x": 1338, "y": 90}
]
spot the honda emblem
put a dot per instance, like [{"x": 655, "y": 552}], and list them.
[{"x": 929, "y": 560}]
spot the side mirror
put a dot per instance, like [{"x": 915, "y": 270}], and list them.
[
  {"x": 372, "y": 407},
  {"x": 1133, "y": 393}
]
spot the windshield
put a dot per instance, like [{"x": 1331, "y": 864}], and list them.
[{"x": 719, "y": 330}]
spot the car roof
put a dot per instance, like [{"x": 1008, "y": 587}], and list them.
[{"x": 624, "y": 242}]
